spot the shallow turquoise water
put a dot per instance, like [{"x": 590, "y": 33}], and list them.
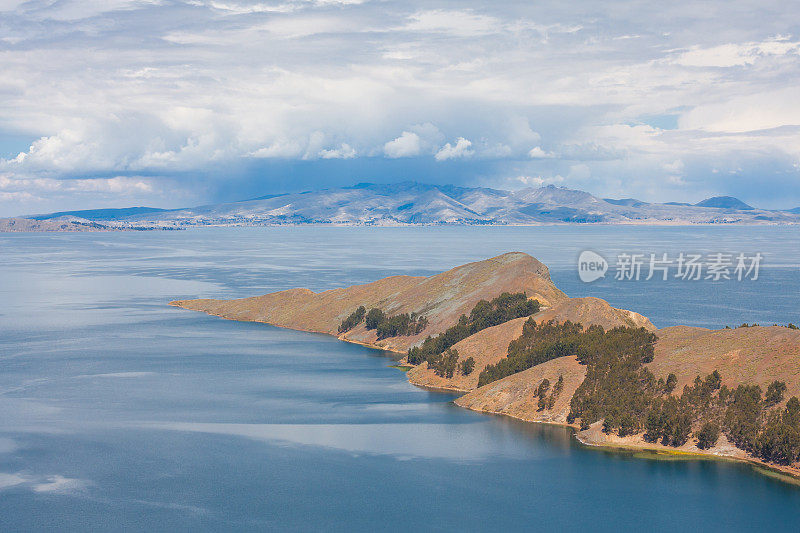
[{"x": 118, "y": 412}]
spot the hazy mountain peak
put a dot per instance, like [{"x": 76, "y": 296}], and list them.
[
  {"x": 724, "y": 202},
  {"x": 551, "y": 194},
  {"x": 629, "y": 202}
]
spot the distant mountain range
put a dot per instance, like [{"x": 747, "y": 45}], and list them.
[{"x": 417, "y": 203}]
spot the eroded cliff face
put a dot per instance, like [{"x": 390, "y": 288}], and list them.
[{"x": 441, "y": 298}]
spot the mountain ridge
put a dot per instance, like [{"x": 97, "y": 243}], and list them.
[{"x": 414, "y": 203}]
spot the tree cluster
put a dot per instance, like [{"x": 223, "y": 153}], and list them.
[
  {"x": 353, "y": 319},
  {"x": 542, "y": 342},
  {"x": 547, "y": 401},
  {"x": 505, "y": 307},
  {"x": 467, "y": 366},
  {"x": 445, "y": 363},
  {"x": 671, "y": 419},
  {"x": 396, "y": 325},
  {"x": 626, "y": 396},
  {"x": 629, "y": 400}
]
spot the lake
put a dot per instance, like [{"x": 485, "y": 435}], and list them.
[{"x": 118, "y": 412}]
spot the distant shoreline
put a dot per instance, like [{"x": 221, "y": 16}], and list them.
[
  {"x": 411, "y": 203},
  {"x": 156, "y": 229}
]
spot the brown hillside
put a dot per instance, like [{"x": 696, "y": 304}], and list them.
[
  {"x": 515, "y": 395},
  {"x": 756, "y": 355},
  {"x": 594, "y": 311},
  {"x": 442, "y": 298},
  {"x": 487, "y": 347}
]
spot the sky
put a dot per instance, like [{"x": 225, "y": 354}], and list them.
[{"x": 171, "y": 103}]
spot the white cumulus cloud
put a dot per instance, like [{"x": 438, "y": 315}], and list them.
[
  {"x": 344, "y": 151},
  {"x": 407, "y": 145},
  {"x": 538, "y": 153},
  {"x": 462, "y": 148}
]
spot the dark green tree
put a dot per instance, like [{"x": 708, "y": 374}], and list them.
[
  {"x": 484, "y": 314},
  {"x": 742, "y": 416},
  {"x": 444, "y": 365},
  {"x": 353, "y": 319},
  {"x": 672, "y": 381},
  {"x": 707, "y": 435},
  {"x": 775, "y": 391},
  {"x": 541, "y": 392},
  {"x": 374, "y": 318}
]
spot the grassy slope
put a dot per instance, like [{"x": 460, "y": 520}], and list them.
[{"x": 441, "y": 298}]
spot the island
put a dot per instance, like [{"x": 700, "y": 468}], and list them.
[{"x": 500, "y": 332}]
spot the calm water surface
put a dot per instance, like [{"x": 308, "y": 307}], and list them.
[{"x": 118, "y": 412}]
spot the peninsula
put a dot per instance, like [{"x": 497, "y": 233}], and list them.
[{"x": 503, "y": 334}]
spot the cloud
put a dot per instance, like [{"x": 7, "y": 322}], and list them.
[
  {"x": 10, "y": 5},
  {"x": 32, "y": 194},
  {"x": 461, "y": 149},
  {"x": 461, "y": 23},
  {"x": 752, "y": 112},
  {"x": 75, "y": 10},
  {"x": 7, "y": 445},
  {"x": 538, "y": 153},
  {"x": 123, "y": 185},
  {"x": 416, "y": 140},
  {"x": 733, "y": 54},
  {"x": 520, "y": 132},
  {"x": 407, "y": 145},
  {"x": 538, "y": 181},
  {"x": 243, "y": 8},
  {"x": 196, "y": 97},
  {"x": 280, "y": 148},
  {"x": 345, "y": 151}
]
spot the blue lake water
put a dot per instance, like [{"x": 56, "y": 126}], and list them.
[{"x": 118, "y": 412}]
